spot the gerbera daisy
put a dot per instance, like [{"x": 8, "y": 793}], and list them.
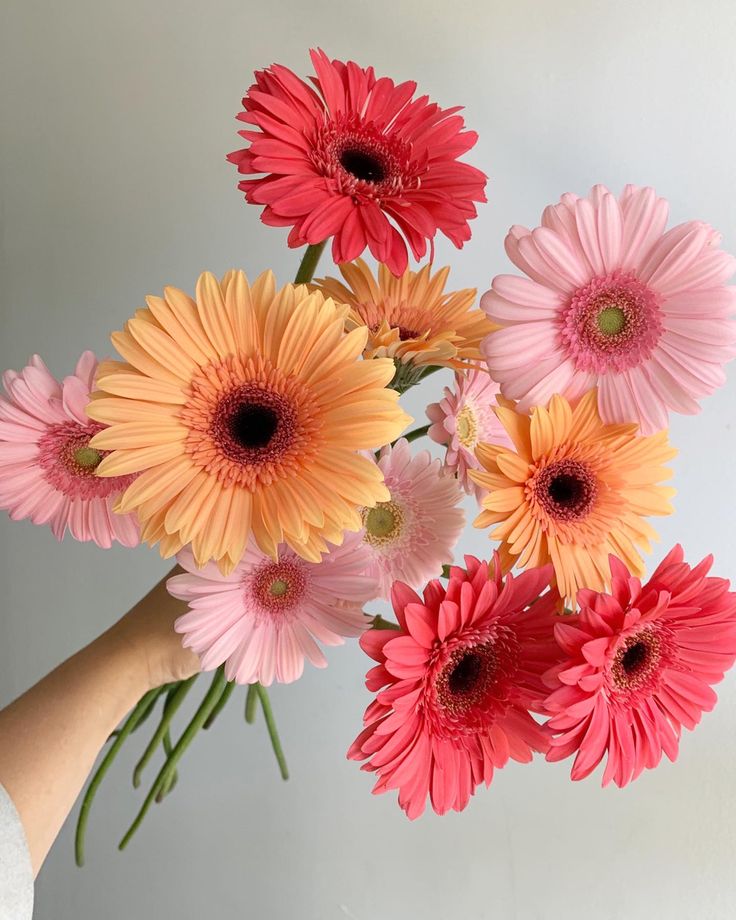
[
  {"x": 455, "y": 684},
  {"x": 47, "y": 467},
  {"x": 263, "y": 619},
  {"x": 465, "y": 418},
  {"x": 410, "y": 318},
  {"x": 412, "y": 534},
  {"x": 615, "y": 302},
  {"x": 638, "y": 666},
  {"x": 244, "y": 412},
  {"x": 572, "y": 490},
  {"x": 357, "y": 159}
]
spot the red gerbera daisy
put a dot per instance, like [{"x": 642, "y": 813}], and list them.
[
  {"x": 639, "y": 665},
  {"x": 456, "y": 683},
  {"x": 359, "y": 160}
]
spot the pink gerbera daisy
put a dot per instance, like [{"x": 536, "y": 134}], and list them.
[
  {"x": 357, "y": 159},
  {"x": 638, "y": 666},
  {"x": 411, "y": 536},
  {"x": 455, "y": 684},
  {"x": 614, "y": 302},
  {"x": 263, "y": 619},
  {"x": 47, "y": 468},
  {"x": 464, "y": 418}
]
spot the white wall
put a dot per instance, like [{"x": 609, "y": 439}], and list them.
[{"x": 115, "y": 119}]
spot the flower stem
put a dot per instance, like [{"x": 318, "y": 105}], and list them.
[
  {"x": 200, "y": 717},
  {"x": 415, "y": 434},
  {"x": 174, "y": 699},
  {"x": 128, "y": 726},
  {"x": 251, "y": 701},
  {"x": 309, "y": 262},
  {"x": 272, "y": 731},
  {"x": 168, "y": 786},
  {"x": 221, "y": 704}
]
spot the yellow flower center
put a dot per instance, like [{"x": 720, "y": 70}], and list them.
[
  {"x": 382, "y": 523},
  {"x": 611, "y": 320},
  {"x": 87, "y": 457},
  {"x": 467, "y": 427}
]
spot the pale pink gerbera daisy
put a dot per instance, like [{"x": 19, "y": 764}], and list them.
[
  {"x": 464, "y": 418},
  {"x": 47, "y": 468},
  {"x": 265, "y": 617},
  {"x": 356, "y": 158},
  {"x": 638, "y": 665},
  {"x": 455, "y": 684},
  {"x": 615, "y": 302},
  {"x": 411, "y": 536}
]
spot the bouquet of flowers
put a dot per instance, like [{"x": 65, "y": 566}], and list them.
[{"x": 255, "y": 433}]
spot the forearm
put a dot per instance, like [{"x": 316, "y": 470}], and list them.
[{"x": 51, "y": 736}]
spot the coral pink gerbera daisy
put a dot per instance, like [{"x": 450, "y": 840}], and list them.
[
  {"x": 615, "y": 302},
  {"x": 357, "y": 159},
  {"x": 455, "y": 684},
  {"x": 47, "y": 468},
  {"x": 464, "y": 418},
  {"x": 265, "y": 617},
  {"x": 411, "y": 536},
  {"x": 639, "y": 664}
]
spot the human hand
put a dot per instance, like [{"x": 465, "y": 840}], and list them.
[{"x": 149, "y": 628}]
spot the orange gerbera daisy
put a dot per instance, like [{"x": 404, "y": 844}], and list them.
[
  {"x": 572, "y": 491},
  {"x": 410, "y": 318},
  {"x": 244, "y": 412}
]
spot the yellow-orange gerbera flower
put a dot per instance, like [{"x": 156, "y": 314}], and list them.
[
  {"x": 572, "y": 491},
  {"x": 244, "y": 412},
  {"x": 410, "y": 318}
]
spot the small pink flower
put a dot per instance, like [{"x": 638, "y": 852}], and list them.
[
  {"x": 267, "y": 616},
  {"x": 355, "y": 157},
  {"x": 47, "y": 468},
  {"x": 465, "y": 418},
  {"x": 454, "y": 685},
  {"x": 612, "y": 301},
  {"x": 411, "y": 536},
  {"x": 638, "y": 666}
]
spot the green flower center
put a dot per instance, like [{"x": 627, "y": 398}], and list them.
[
  {"x": 611, "y": 321},
  {"x": 382, "y": 523},
  {"x": 279, "y": 587},
  {"x": 87, "y": 457}
]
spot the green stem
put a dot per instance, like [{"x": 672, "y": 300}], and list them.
[
  {"x": 272, "y": 731},
  {"x": 416, "y": 433},
  {"x": 445, "y": 571},
  {"x": 171, "y": 782},
  {"x": 380, "y": 623},
  {"x": 128, "y": 726},
  {"x": 174, "y": 699},
  {"x": 251, "y": 701},
  {"x": 308, "y": 265},
  {"x": 200, "y": 717},
  {"x": 221, "y": 704}
]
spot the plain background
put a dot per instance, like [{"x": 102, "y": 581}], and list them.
[{"x": 115, "y": 120}]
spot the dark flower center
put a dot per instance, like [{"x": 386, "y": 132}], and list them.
[
  {"x": 363, "y": 165},
  {"x": 566, "y": 490},
  {"x": 467, "y": 678},
  {"x": 639, "y": 661},
  {"x": 634, "y": 658},
  {"x": 253, "y": 426},
  {"x": 465, "y": 675}
]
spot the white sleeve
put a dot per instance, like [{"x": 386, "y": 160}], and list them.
[{"x": 16, "y": 874}]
